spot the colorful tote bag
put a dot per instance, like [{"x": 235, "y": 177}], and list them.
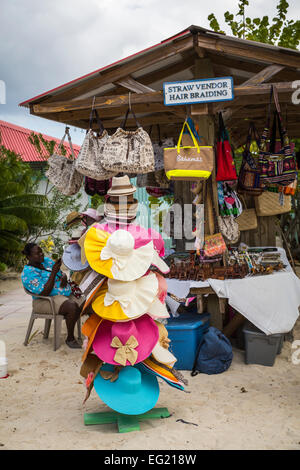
[
  {"x": 214, "y": 245},
  {"x": 225, "y": 162},
  {"x": 276, "y": 167},
  {"x": 249, "y": 181},
  {"x": 188, "y": 162}
]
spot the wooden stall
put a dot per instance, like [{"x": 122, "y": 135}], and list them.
[{"x": 193, "y": 53}]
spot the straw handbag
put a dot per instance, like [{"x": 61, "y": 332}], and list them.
[
  {"x": 188, "y": 162},
  {"x": 248, "y": 219},
  {"x": 62, "y": 172},
  {"x": 88, "y": 162},
  {"x": 129, "y": 151},
  {"x": 269, "y": 204}
]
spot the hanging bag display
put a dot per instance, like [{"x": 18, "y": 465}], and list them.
[
  {"x": 214, "y": 245},
  {"x": 93, "y": 187},
  {"x": 270, "y": 204},
  {"x": 188, "y": 162},
  {"x": 89, "y": 160},
  {"x": 62, "y": 172},
  {"x": 276, "y": 167},
  {"x": 225, "y": 162},
  {"x": 129, "y": 151},
  {"x": 229, "y": 228},
  {"x": 248, "y": 219},
  {"x": 249, "y": 181}
]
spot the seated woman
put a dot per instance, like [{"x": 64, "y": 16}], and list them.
[{"x": 43, "y": 276}]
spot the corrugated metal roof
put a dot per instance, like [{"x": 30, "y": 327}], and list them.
[{"x": 15, "y": 138}]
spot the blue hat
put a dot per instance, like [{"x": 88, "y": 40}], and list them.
[
  {"x": 133, "y": 393},
  {"x": 72, "y": 258}
]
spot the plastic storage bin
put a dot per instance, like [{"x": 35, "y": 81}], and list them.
[
  {"x": 185, "y": 333},
  {"x": 259, "y": 347}
]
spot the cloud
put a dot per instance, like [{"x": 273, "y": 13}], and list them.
[{"x": 44, "y": 44}]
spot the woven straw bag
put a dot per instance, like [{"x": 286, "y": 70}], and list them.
[
  {"x": 129, "y": 151},
  {"x": 89, "y": 159},
  {"x": 62, "y": 172},
  {"x": 269, "y": 204},
  {"x": 248, "y": 218}
]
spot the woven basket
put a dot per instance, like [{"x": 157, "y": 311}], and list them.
[
  {"x": 268, "y": 204},
  {"x": 247, "y": 220}
]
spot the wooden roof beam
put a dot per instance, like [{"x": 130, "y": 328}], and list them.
[
  {"x": 257, "y": 79},
  {"x": 249, "y": 51},
  {"x": 134, "y": 86},
  {"x": 100, "y": 102},
  {"x": 121, "y": 70}
]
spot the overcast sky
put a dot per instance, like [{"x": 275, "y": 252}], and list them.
[{"x": 44, "y": 44}]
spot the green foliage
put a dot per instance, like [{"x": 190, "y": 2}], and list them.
[
  {"x": 279, "y": 31},
  {"x": 58, "y": 205},
  {"x": 20, "y": 209}
]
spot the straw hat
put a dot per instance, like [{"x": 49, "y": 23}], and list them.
[
  {"x": 122, "y": 301},
  {"x": 116, "y": 257},
  {"x": 161, "y": 352},
  {"x": 121, "y": 208},
  {"x": 126, "y": 343},
  {"x": 162, "y": 371},
  {"x": 72, "y": 258},
  {"x": 73, "y": 218},
  {"x": 135, "y": 392},
  {"x": 121, "y": 186}
]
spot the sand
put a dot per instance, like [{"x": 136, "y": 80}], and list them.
[{"x": 247, "y": 407}]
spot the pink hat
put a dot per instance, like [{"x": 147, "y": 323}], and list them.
[{"x": 126, "y": 343}]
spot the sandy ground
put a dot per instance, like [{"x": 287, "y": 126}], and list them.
[{"x": 247, "y": 407}]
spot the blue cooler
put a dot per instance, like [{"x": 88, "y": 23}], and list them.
[{"x": 185, "y": 333}]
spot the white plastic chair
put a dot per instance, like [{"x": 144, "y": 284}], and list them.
[{"x": 57, "y": 321}]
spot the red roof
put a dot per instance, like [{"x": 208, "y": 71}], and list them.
[{"x": 15, "y": 138}]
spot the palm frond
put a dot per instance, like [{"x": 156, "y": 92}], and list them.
[
  {"x": 10, "y": 188},
  {"x": 12, "y": 223},
  {"x": 30, "y": 215},
  {"x": 24, "y": 200}
]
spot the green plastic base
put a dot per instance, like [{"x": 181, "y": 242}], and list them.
[{"x": 126, "y": 423}]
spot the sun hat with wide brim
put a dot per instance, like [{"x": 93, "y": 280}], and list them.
[
  {"x": 121, "y": 186},
  {"x": 126, "y": 343},
  {"x": 122, "y": 301},
  {"x": 118, "y": 256},
  {"x": 72, "y": 258},
  {"x": 133, "y": 393},
  {"x": 161, "y": 350},
  {"x": 162, "y": 371}
]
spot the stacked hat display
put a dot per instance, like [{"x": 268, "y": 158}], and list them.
[
  {"x": 120, "y": 204},
  {"x": 128, "y": 347}
]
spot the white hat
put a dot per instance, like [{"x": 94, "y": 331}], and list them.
[
  {"x": 128, "y": 263},
  {"x": 136, "y": 297},
  {"x": 121, "y": 186},
  {"x": 161, "y": 352},
  {"x": 115, "y": 256}
]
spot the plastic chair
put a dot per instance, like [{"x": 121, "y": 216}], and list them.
[{"x": 57, "y": 320}]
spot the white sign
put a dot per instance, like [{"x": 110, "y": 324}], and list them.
[{"x": 198, "y": 91}]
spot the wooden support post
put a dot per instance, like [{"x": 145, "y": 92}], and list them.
[
  {"x": 233, "y": 325},
  {"x": 206, "y": 123}
]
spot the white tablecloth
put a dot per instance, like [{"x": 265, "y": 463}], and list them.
[{"x": 270, "y": 302}]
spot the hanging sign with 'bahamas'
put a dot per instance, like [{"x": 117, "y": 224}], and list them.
[{"x": 206, "y": 90}]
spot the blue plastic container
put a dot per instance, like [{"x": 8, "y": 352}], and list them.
[{"x": 185, "y": 333}]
